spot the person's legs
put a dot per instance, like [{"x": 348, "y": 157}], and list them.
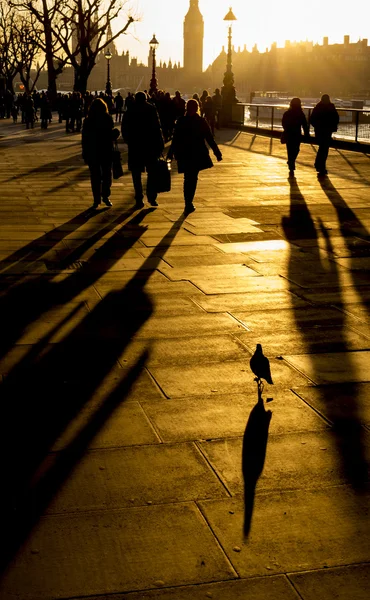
[
  {"x": 293, "y": 151},
  {"x": 106, "y": 175},
  {"x": 190, "y": 186},
  {"x": 322, "y": 155},
  {"x": 138, "y": 186},
  {"x": 151, "y": 188},
  {"x": 95, "y": 178}
]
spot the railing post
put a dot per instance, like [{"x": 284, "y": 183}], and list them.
[
  {"x": 308, "y": 120},
  {"x": 272, "y": 118},
  {"x": 357, "y": 122},
  {"x": 257, "y": 117}
]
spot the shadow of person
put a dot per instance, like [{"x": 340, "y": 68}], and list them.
[
  {"x": 253, "y": 456},
  {"x": 299, "y": 226},
  {"x": 47, "y": 390}
]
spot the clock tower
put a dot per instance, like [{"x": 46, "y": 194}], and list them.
[{"x": 193, "y": 40}]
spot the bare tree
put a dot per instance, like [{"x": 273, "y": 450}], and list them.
[
  {"x": 74, "y": 32},
  {"x": 30, "y": 61},
  {"x": 8, "y": 59}
]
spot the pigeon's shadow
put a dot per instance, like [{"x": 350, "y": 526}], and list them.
[{"x": 253, "y": 456}]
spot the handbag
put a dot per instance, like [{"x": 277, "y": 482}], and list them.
[
  {"x": 116, "y": 162},
  {"x": 163, "y": 175}
]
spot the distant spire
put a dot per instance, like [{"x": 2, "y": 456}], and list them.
[{"x": 112, "y": 46}]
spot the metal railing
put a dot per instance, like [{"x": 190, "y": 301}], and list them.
[{"x": 354, "y": 123}]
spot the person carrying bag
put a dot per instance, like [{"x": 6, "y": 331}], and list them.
[
  {"x": 190, "y": 150},
  {"x": 163, "y": 175}
]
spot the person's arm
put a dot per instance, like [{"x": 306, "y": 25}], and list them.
[
  {"x": 211, "y": 140},
  {"x": 306, "y": 129}
]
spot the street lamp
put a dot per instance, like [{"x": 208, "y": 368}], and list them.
[
  {"x": 153, "y": 82},
  {"x": 108, "y": 87},
  {"x": 228, "y": 89}
]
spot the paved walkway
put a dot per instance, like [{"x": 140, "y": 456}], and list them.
[{"x": 136, "y": 462}]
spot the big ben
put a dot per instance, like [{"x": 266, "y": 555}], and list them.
[{"x": 193, "y": 40}]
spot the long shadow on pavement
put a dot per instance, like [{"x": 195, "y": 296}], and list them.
[
  {"x": 253, "y": 456},
  {"x": 349, "y": 436},
  {"x": 50, "y": 386},
  {"x": 27, "y": 297}
]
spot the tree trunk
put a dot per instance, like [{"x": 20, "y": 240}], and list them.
[
  {"x": 9, "y": 82},
  {"x": 80, "y": 82}
]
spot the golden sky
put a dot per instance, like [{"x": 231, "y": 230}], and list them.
[{"x": 258, "y": 23}]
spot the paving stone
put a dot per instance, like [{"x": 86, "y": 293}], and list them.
[
  {"x": 276, "y": 587},
  {"x": 314, "y": 280},
  {"x": 217, "y": 272},
  {"x": 293, "y": 461},
  {"x": 251, "y": 283},
  {"x": 179, "y": 251},
  {"x": 126, "y": 426},
  {"x": 283, "y": 320},
  {"x": 293, "y": 531},
  {"x": 208, "y": 260},
  {"x": 251, "y": 301},
  {"x": 360, "y": 311},
  {"x": 341, "y": 402},
  {"x": 226, "y": 415},
  {"x": 306, "y": 340},
  {"x": 121, "y": 550},
  {"x": 185, "y": 350},
  {"x": 337, "y": 295},
  {"x": 249, "y": 247},
  {"x": 100, "y": 479},
  {"x": 332, "y": 367},
  {"x": 334, "y": 583},
  {"x": 176, "y": 326},
  {"x": 226, "y": 377}
]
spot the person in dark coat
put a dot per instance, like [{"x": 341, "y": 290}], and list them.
[
  {"x": 324, "y": 119},
  {"x": 98, "y": 135},
  {"x": 178, "y": 105},
  {"x": 141, "y": 131},
  {"x": 189, "y": 149},
  {"x": 293, "y": 121}
]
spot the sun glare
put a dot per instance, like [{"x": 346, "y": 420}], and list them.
[{"x": 258, "y": 24}]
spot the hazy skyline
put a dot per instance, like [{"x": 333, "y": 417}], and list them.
[{"x": 257, "y": 23}]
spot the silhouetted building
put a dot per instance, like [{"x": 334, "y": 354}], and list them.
[{"x": 193, "y": 41}]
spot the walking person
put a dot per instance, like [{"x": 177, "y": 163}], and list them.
[
  {"x": 189, "y": 148},
  {"x": 209, "y": 113},
  {"x": 324, "y": 119},
  {"x": 141, "y": 131},
  {"x": 118, "y": 105},
  {"x": 98, "y": 136},
  {"x": 217, "y": 105},
  {"x": 293, "y": 121}
]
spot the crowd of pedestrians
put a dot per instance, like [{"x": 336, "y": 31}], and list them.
[{"x": 148, "y": 122}]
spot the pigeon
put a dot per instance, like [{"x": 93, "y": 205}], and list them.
[{"x": 260, "y": 365}]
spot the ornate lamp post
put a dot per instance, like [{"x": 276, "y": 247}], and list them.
[
  {"x": 153, "y": 82},
  {"x": 108, "y": 85},
  {"x": 228, "y": 89}
]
